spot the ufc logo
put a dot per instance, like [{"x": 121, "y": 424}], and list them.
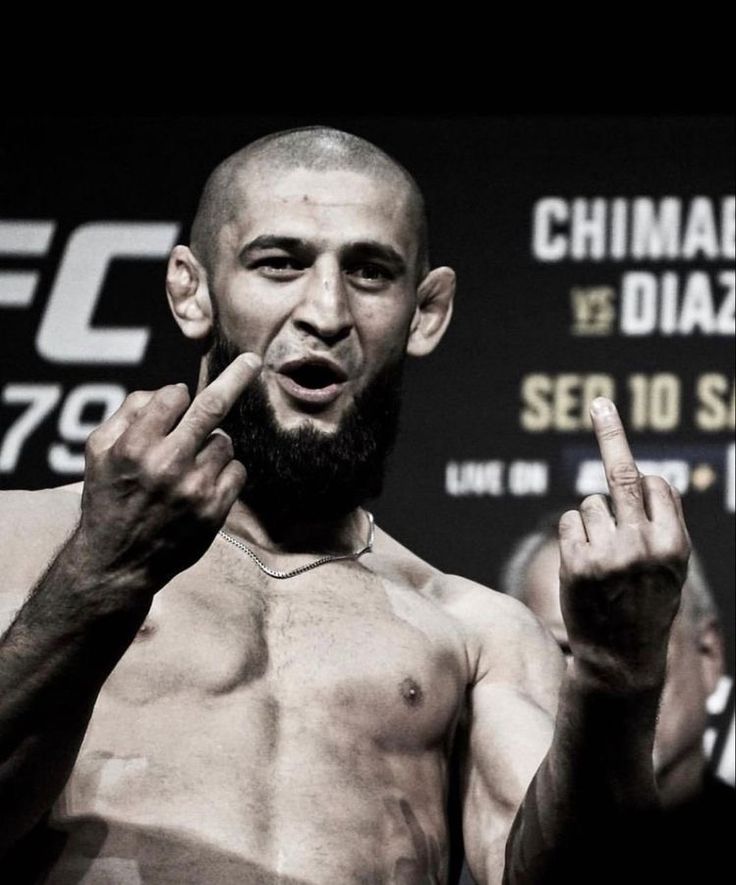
[{"x": 65, "y": 333}]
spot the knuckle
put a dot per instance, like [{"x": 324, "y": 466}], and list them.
[
  {"x": 568, "y": 522},
  {"x": 163, "y": 473},
  {"x": 657, "y": 484},
  {"x": 173, "y": 395},
  {"x": 213, "y": 405},
  {"x": 624, "y": 473},
  {"x": 137, "y": 399},
  {"x": 611, "y": 433},
  {"x": 238, "y": 472},
  {"x": 129, "y": 449},
  {"x": 94, "y": 442},
  {"x": 193, "y": 489},
  {"x": 594, "y": 504},
  {"x": 222, "y": 445}
]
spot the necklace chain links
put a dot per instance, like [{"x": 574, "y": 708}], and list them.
[{"x": 332, "y": 557}]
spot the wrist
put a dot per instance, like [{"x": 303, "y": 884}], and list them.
[
  {"x": 613, "y": 711},
  {"x": 99, "y": 588},
  {"x": 638, "y": 676}
]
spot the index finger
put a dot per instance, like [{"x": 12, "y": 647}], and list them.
[
  {"x": 211, "y": 405},
  {"x": 622, "y": 474}
]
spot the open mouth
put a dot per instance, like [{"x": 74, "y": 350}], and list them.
[
  {"x": 312, "y": 381},
  {"x": 313, "y": 376}
]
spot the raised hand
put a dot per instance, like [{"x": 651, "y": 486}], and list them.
[
  {"x": 159, "y": 481},
  {"x": 622, "y": 568}
]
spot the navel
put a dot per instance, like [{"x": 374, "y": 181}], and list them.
[{"x": 411, "y": 692}]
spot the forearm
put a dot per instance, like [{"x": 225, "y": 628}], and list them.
[
  {"x": 54, "y": 659},
  {"x": 595, "y": 778}
]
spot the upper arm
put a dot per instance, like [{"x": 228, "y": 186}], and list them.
[
  {"x": 508, "y": 729},
  {"x": 33, "y": 527}
]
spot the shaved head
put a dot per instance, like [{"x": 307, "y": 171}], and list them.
[{"x": 313, "y": 147}]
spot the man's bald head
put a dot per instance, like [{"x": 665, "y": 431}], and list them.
[{"x": 318, "y": 148}]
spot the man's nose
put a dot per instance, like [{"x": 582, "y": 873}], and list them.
[{"x": 324, "y": 309}]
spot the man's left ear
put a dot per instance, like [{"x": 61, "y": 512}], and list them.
[
  {"x": 188, "y": 293},
  {"x": 710, "y": 648},
  {"x": 433, "y": 311}
]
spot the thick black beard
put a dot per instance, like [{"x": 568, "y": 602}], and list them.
[{"x": 305, "y": 474}]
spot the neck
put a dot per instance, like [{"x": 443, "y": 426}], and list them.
[{"x": 303, "y": 535}]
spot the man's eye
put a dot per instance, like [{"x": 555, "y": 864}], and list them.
[
  {"x": 278, "y": 265},
  {"x": 370, "y": 273}
]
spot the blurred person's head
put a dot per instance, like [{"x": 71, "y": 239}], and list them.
[{"x": 694, "y": 656}]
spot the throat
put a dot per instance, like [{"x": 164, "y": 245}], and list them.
[{"x": 342, "y": 535}]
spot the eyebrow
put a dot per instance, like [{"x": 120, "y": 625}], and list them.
[{"x": 365, "y": 249}]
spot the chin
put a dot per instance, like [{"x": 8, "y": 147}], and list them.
[{"x": 290, "y": 418}]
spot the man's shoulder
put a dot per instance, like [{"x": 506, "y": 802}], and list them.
[
  {"x": 502, "y": 635},
  {"x": 467, "y": 600},
  {"x": 511, "y": 652},
  {"x": 21, "y": 509},
  {"x": 33, "y": 526},
  {"x": 494, "y": 616}
]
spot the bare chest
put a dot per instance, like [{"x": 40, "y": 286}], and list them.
[{"x": 337, "y": 644}]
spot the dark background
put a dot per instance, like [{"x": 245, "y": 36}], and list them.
[{"x": 482, "y": 177}]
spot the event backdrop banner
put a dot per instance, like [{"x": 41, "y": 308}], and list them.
[{"x": 594, "y": 256}]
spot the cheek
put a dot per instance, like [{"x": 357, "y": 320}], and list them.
[
  {"x": 384, "y": 328},
  {"x": 254, "y": 328}
]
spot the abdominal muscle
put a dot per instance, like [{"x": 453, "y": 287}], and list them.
[
  {"x": 265, "y": 733},
  {"x": 221, "y": 796}
]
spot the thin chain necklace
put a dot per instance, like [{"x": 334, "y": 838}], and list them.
[{"x": 332, "y": 557}]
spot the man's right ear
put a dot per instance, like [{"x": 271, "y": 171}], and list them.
[{"x": 188, "y": 293}]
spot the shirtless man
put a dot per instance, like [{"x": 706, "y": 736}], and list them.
[{"x": 171, "y": 713}]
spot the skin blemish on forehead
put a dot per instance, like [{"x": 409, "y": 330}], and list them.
[{"x": 411, "y": 692}]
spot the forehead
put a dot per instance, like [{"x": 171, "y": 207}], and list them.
[{"x": 331, "y": 207}]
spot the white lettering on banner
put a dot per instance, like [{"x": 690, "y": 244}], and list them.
[
  {"x": 716, "y": 398},
  {"x": 727, "y": 767},
  {"x": 474, "y": 478},
  {"x": 41, "y": 399},
  {"x": 728, "y": 228},
  {"x": 669, "y": 228},
  {"x": 652, "y": 303},
  {"x": 478, "y": 478},
  {"x": 588, "y": 229},
  {"x": 22, "y": 239},
  {"x": 655, "y": 230},
  {"x": 548, "y": 244},
  {"x": 701, "y": 237},
  {"x": 716, "y": 704},
  {"x": 655, "y": 401},
  {"x": 66, "y": 334},
  {"x": 74, "y": 430},
  {"x": 561, "y": 402},
  {"x": 730, "y": 483},
  {"x": 528, "y": 478}
]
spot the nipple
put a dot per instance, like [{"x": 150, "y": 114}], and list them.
[
  {"x": 411, "y": 692},
  {"x": 146, "y": 629}
]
